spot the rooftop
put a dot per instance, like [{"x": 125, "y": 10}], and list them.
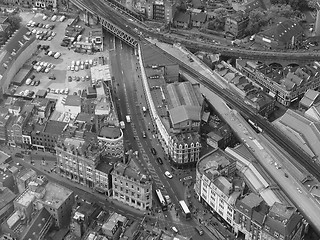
[
  {"x": 26, "y": 173},
  {"x": 26, "y": 198},
  {"x": 54, "y": 127},
  {"x": 213, "y": 162},
  {"x": 56, "y": 195},
  {"x": 100, "y": 73},
  {"x": 110, "y": 132},
  {"x": 252, "y": 200},
  {"x": 126, "y": 170},
  {"x": 73, "y": 100},
  {"x": 6, "y": 196},
  {"x": 152, "y": 56}
]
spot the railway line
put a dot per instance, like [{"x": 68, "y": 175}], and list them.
[{"x": 282, "y": 140}]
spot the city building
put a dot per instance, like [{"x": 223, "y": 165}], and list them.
[
  {"x": 182, "y": 19},
  {"x": 250, "y": 213},
  {"x": 131, "y": 187},
  {"x": 24, "y": 177},
  {"x": 72, "y": 104},
  {"x": 6, "y": 203},
  {"x": 46, "y": 4},
  {"x": 198, "y": 19},
  {"x": 176, "y": 108},
  {"x": 286, "y": 34},
  {"x": 236, "y": 24},
  {"x": 40, "y": 206},
  {"x": 287, "y": 84},
  {"x": 81, "y": 158},
  {"x": 160, "y": 10},
  {"x": 83, "y": 215},
  {"x": 112, "y": 227},
  {"x": 302, "y": 129},
  {"x": 310, "y": 98},
  {"x": 5, "y": 118},
  {"x": 15, "y": 54},
  {"x": 247, "y": 89},
  {"x": 282, "y": 222}
]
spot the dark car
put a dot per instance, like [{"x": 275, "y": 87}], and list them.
[
  {"x": 37, "y": 83},
  {"x": 32, "y": 77},
  {"x": 64, "y": 44},
  {"x": 34, "y": 62},
  {"x": 153, "y": 151},
  {"x": 19, "y": 155},
  {"x": 40, "y": 25},
  {"x": 159, "y": 160},
  {"x": 52, "y": 26}
]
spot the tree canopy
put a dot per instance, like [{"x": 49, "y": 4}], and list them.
[{"x": 14, "y": 21}]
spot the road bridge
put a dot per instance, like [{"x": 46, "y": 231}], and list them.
[{"x": 101, "y": 13}]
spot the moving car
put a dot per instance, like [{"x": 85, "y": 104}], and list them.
[{"x": 168, "y": 174}]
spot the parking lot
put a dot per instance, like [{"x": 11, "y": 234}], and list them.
[{"x": 70, "y": 71}]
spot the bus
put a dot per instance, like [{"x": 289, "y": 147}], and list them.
[
  {"x": 185, "y": 210},
  {"x": 162, "y": 200}
]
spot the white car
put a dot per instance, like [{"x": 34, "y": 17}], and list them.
[
  {"x": 168, "y": 174},
  {"x": 47, "y": 70},
  {"x": 45, "y": 64},
  {"x": 76, "y": 68},
  {"x": 82, "y": 67},
  {"x": 175, "y": 229}
]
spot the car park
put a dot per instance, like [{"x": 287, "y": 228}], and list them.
[
  {"x": 153, "y": 151},
  {"x": 168, "y": 174},
  {"x": 159, "y": 160}
]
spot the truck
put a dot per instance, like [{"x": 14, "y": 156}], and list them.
[
  {"x": 128, "y": 118},
  {"x": 122, "y": 125}
]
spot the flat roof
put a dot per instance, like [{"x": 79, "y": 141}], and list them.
[
  {"x": 21, "y": 75},
  {"x": 54, "y": 127},
  {"x": 4, "y": 157},
  {"x": 26, "y": 198},
  {"x": 153, "y": 56},
  {"x": 56, "y": 194},
  {"x": 73, "y": 100},
  {"x": 110, "y": 132},
  {"x": 101, "y": 73}
]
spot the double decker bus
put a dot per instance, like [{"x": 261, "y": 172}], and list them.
[
  {"x": 162, "y": 200},
  {"x": 185, "y": 210}
]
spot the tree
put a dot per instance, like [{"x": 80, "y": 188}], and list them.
[
  {"x": 257, "y": 19},
  {"x": 14, "y": 21}
]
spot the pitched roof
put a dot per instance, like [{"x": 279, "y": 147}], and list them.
[
  {"x": 199, "y": 17},
  {"x": 284, "y": 31},
  {"x": 182, "y": 17},
  {"x": 183, "y": 113}
]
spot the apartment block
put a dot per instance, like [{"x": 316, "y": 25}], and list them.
[
  {"x": 236, "y": 24},
  {"x": 131, "y": 187},
  {"x": 160, "y": 10}
]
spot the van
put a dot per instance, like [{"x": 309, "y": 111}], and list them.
[
  {"x": 39, "y": 68},
  {"x": 57, "y": 55},
  {"x": 62, "y": 18},
  {"x": 199, "y": 230},
  {"x": 54, "y": 18},
  {"x": 175, "y": 229},
  {"x": 28, "y": 81}
]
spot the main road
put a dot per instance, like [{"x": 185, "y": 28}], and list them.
[{"x": 131, "y": 98}]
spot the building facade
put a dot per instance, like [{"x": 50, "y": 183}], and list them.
[
  {"x": 33, "y": 3},
  {"x": 286, "y": 85},
  {"x": 160, "y": 10},
  {"x": 236, "y": 24},
  {"x": 131, "y": 187}
]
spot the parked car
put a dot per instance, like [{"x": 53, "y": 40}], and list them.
[
  {"x": 153, "y": 151},
  {"x": 159, "y": 160}
]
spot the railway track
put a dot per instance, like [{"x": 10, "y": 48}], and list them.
[{"x": 281, "y": 139}]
